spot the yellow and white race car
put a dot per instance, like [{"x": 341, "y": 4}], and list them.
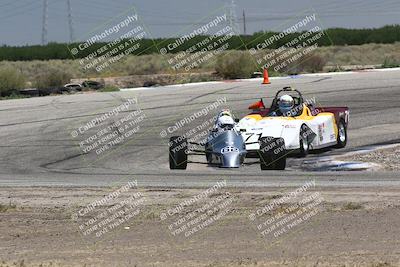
[{"x": 272, "y": 136}]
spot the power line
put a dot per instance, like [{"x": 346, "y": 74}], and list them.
[
  {"x": 17, "y": 10},
  {"x": 7, "y": 4}
]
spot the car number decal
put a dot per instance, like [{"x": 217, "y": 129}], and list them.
[{"x": 250, "y": 135}]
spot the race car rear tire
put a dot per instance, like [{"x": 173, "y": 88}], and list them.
[
  {"x": 342, "y": 135},
  {"x": 280, "y": 163},
  {"x": 272, "y": 153},
  {"x": 178, "y": 153},
  {"x": 209, "y": 157},
  {"x": 304, "y": 141}
]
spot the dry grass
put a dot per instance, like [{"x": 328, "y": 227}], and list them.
[
  {"x": 10, "y": 79},
  {"x": 368, "y": 54},
  {"x": 335, "y": 56},
  {"x": 352, "y": 206},
  {"x": 7, "y": 207},
  {"x": 237, "y": 64}
]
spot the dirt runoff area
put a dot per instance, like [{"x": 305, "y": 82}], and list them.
[
  {"x": 216, "y": 226},
  {"x": 387, "y": 158}
]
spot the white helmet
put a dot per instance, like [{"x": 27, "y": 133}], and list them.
[
  {"x": 286, "y": 103},
  {"x": 225, "y": 112},
  {"x": 225, "y": 120},
  {"x": 225, "y": 123}
]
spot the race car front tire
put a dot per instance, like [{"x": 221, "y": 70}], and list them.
[
  {"x": 178, "y": 153},
  {"x": 342, "y": 135},
  {"x": 304, "y": 141},
  {"x": 272, "y": 153}
]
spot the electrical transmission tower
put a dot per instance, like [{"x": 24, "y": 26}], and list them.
[
  {"x": 232, "y": 17},
  {"x": 45, "y": 21},
  {"x": 70, "y": 22},
  {"x": 44, "y": 24},
  {"x": 244, "y": 23}
]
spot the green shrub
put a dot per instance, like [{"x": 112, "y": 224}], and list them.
[
  {"x": 51, "y": 77},
  {"x": 10, "y": 80},
  {"x": 390, "y": 63},
  {"x": 235, "y": 65},
  {"x": 314, "y": 63},
  {"x": 306, "y": 64},
  {"x": 146, "y": 64}
]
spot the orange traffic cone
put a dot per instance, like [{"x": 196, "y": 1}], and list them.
[{"x": 266, "y": 78}]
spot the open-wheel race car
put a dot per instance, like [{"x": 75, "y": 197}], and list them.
[
  {"x": 224, "y": 146},
  {"x": 290, "y": 126}
]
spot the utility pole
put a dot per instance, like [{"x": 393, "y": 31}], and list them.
[
  {"x": 44, "y": 22},
  {"x": 244, "y": 23},
  {"x": 70, "y": 21}
]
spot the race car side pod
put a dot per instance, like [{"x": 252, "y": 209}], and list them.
[{"x": 266, "y": 78}]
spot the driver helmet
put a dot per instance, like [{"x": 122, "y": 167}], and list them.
[
  {"x": 286, "y": 103},
  {"x": 225, "y": 112},
  {"x": 225, "y": 120}
]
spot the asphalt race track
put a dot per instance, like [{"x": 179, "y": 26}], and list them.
[{"x": 38, "y": 148}]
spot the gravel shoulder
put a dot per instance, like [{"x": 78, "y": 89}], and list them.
[
  {"x": 387, "y": 158},
  {"x": 353, "y": 227}
]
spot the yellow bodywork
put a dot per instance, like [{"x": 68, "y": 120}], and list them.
[{"x": 306, "y": 115}]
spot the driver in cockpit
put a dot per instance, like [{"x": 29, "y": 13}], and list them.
[
  {"x": 286, "y": 104},
  {"x": 225, "y": 121}
]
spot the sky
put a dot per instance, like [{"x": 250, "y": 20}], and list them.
[{"x": 21, "y": 20}]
